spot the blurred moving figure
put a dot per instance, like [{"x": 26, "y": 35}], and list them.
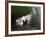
[{"x": 25, "y": 23}]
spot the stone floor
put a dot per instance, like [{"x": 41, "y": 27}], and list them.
[{"x": 18, "y": 28}]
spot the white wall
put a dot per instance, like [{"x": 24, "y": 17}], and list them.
[{"x": 2, "y": 19}]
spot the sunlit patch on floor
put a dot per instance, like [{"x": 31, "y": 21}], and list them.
[{"x": 20, "y": 20}]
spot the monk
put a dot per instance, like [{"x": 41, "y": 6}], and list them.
[{"x": 24, "y": 23}]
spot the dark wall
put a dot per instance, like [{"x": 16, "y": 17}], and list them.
[{"x": 36, "y": 17}]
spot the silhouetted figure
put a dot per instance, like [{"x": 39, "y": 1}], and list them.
[{"x": 24, "y": 23}]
